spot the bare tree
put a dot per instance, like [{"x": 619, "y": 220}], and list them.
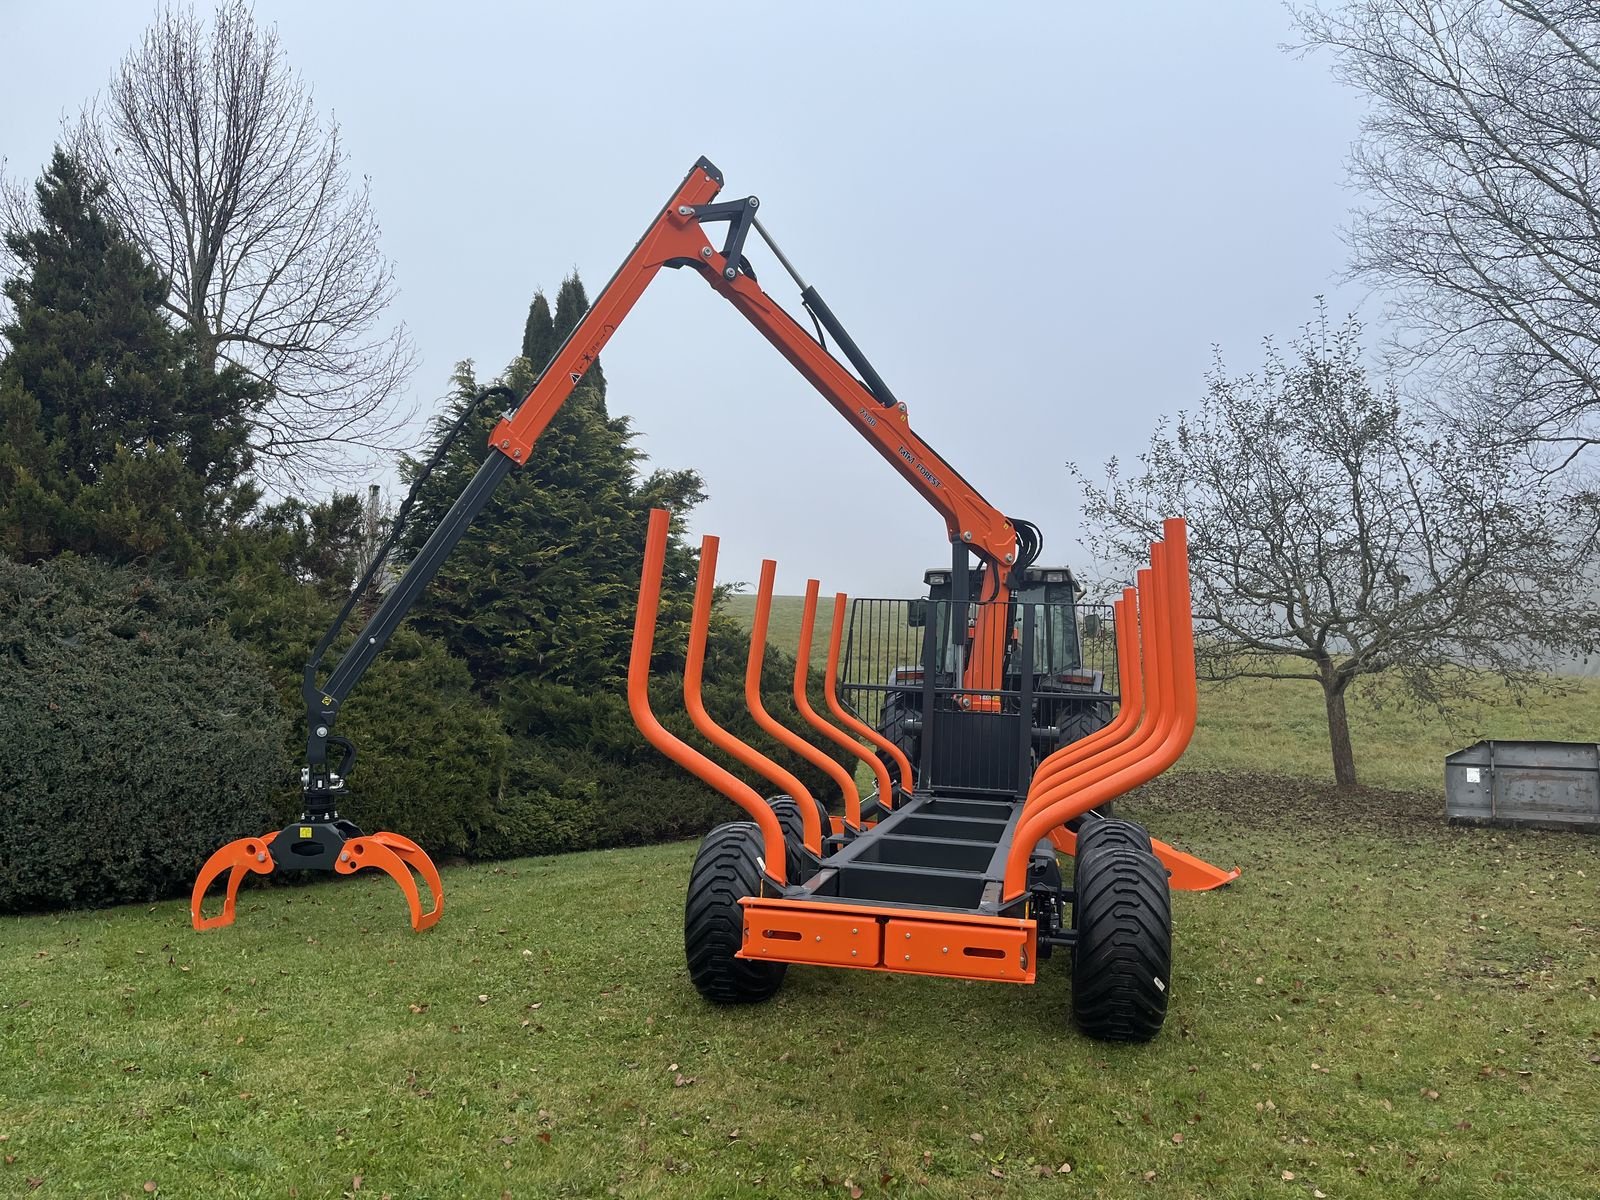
[
  {"x": 222, "y": 170},
  {"x": 1332, "y": 538},
  {"x": 1480, "y": 155}
]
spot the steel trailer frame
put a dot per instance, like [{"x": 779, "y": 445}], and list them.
[{"x": 948, "y": 882}]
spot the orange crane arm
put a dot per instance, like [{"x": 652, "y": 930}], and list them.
[{"x": 678, "y": 238}]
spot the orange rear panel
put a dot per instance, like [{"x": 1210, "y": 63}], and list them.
[{"x": 870, "y": 937}]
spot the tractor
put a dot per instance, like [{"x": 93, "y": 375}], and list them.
[{"x": 1071, "y": 652}]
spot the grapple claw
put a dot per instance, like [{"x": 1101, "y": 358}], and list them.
[
  {"x": 237, "y": 858},
  {"x": 321, "y": 845},
  {"x": 394, "y": 854}
]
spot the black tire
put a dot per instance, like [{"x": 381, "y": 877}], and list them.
[
  {"x": 1106, "y": 812},
  {"x": 822, "y": 815},
  {"x": 713, "y": 923},
  {"x": 794, "y": 835},
  {"x": 1080, "y": 721},
  {"x": 1122, "y": 962},
  {"x": 1097, "y": 832},
  {"x": 1076, "y": 724}
]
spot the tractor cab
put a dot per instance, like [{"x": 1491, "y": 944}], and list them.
[
  {"x": 1057, "y": 655},
  {"x": 1056, "y": 645}
]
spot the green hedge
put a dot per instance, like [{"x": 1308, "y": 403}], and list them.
[
  {"x": 432, "y": 755},
  {"x": 135, "y": 736}
]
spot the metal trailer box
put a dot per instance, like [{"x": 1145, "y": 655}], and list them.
[{"x": 1552, "y": 785}]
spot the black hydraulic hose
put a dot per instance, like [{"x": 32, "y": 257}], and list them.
[{"x": 398, "y": 527}]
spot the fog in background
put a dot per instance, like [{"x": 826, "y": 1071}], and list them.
[{"x": 1035, "y": 218}]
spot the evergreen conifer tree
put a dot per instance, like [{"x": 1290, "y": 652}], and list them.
[
  {"x": 118, "y": 440},
  {"x": 539, "y": 339},
  {"x": 571, "y": 303}
]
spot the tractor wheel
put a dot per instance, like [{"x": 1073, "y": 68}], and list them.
[
  {"x": 1079, "y": 722},
  {"x": 794, "y": 835},
  {"x": 713, "y": 923},
  {"x": 1122, "y": 962},
  {"x": 1096, "y": 832},
  {"x": 893, "y": 768}
]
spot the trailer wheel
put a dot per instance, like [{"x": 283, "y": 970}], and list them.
[
  {"x": 725, "y": 870},
  {"x": 1122, "y": 962},
  {"x": 787, "y": 810},
  {"x": 1094, "y": 832},
  {"x": 827, "y": 821}
]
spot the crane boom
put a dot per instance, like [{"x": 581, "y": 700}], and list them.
[{"x": 679, "y": 237}]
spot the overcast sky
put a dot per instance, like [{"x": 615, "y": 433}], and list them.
[{"x": 1036, "y": 219}]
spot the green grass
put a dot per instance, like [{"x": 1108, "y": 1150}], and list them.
[
  {"x": 1381, "y": 1006},
  {"x": 783, "y": 624},
  {"x": 1279, "y": 726}
]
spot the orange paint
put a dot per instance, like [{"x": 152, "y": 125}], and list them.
[
  {"x": 752, "y": 698},
  {"x": 680, "y": 752},
  {"x": 705, "y": 592}
]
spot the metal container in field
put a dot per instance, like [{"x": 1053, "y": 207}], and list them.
[{"x": 1553, "y": 785}]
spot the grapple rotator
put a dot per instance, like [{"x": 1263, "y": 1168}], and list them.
[{"x": 320, "y": 841}]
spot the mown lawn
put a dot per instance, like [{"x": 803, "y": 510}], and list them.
[{"x": 1381, "y": 1006}]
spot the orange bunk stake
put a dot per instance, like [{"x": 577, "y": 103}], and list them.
[
  {"x": 1130, "y": 709},
  {"x": 830, "y": 692},
  {"x": 802, "y": 701},
  {"x": 1073, "y": 792},
  {"x": 680, "y": 752},
  {"x": 752, "y": 698},
  {"x": 1170, "y": 689},
  {"x": 705, "y": 591}
]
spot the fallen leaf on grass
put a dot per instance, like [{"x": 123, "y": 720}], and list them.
[
  {"x": 1064, "y": 1169},
  {"x": 1288, "y": 1175},
  {"x": 482, "y": 998},
  {"x": 976, "y": 1137},
  {"x": 682, "y": 1080},
  {"x": 150, "y": 1186},
  {"x": 1177, "y": 1139}
]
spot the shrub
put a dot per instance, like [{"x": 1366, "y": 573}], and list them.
[
  {"x": 135, "y": 736},
  {"x": 432, "y": 755}
]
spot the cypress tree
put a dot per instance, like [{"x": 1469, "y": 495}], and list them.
[
  {"x": 119, "y": 441},
  {"x": 544, "y": 582},
  {"x": 539, "y": 339},
  {"x": 571, "y": 303}
]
